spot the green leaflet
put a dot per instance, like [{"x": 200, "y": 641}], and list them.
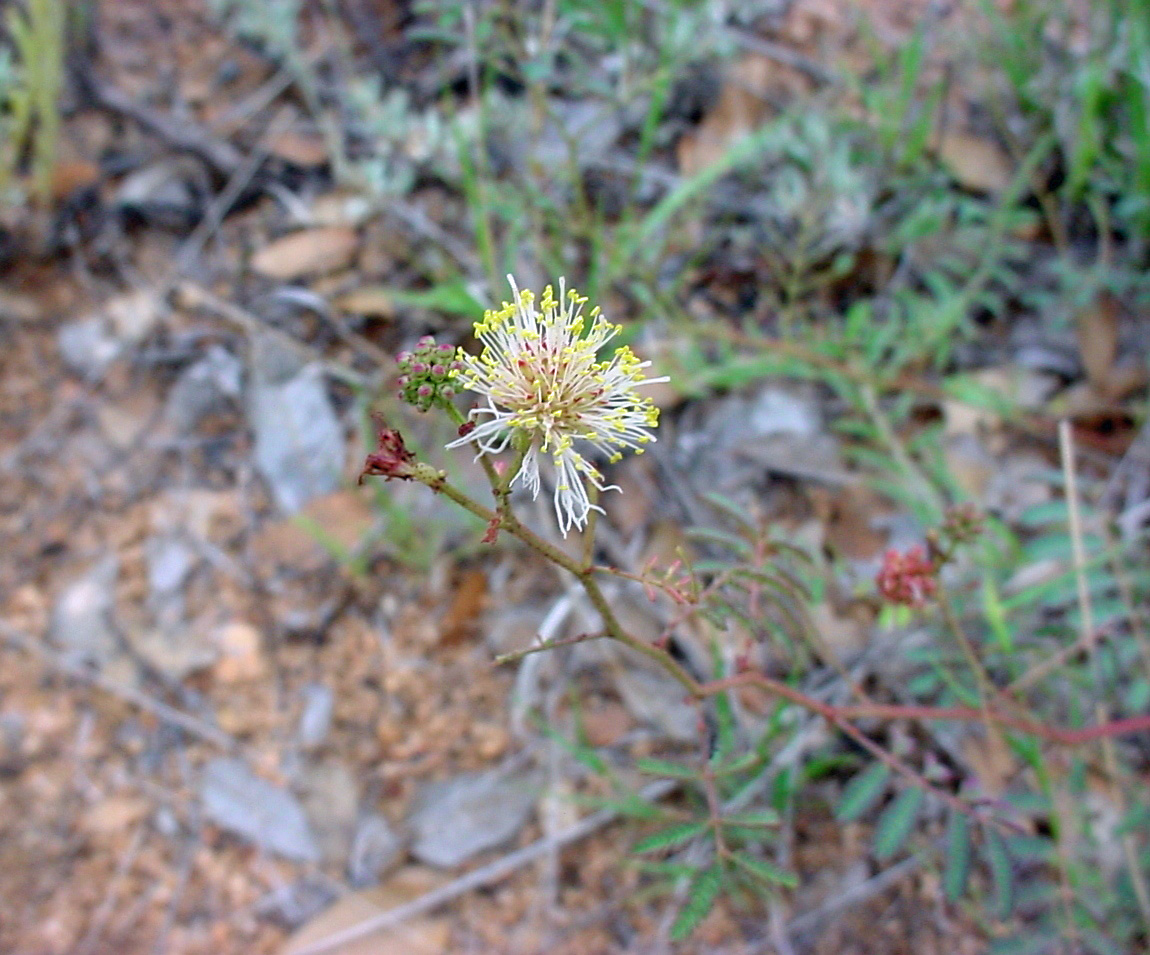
[
  {"x": 897, "y": 822},
  {"x": 862, "y": 792},
  {"x": 958, "y": 855}
]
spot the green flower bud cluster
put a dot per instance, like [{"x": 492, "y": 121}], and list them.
[{"x": 427, "y": 374}]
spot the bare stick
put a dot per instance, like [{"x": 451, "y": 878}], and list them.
[
  {"x": 161, "y": 710},
  {"x": 485, "y": 875}
]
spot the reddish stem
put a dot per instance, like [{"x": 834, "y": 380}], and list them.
[{"x": 961, "y": 714}]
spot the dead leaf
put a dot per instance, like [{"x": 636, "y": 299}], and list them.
[
  {"x": 848, "y": 514},
  {"x": 71, "y": 176},
  {"x": 340, "y": 520},
  {"x": 241, "y": 654},
  {"x": 630, "y": 509},
  {"x": 134, "y": 314},
  {"x": 307, "y": 252},
  {"x": 462, "y": 617},
  {"x": 371, "y": 301},
  {"x": 977, "y": 164},
  {"x": 740, "y": 109},
  {"x": 990, "y": 758},
  {"x": 838, "y": 637},
  {"x": 18, "y": 308},
  {"x": 114, "y": 815},
  {"x": 306, "y": 150},
  {"x": 1097, "y": 329},
  {"x": 605, "y": 723},
  {"x": 418, "y": 936},
  {"x": 970, "y": 463}
]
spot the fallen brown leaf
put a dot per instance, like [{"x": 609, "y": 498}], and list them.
[
  {"x": 978, "y": 164},
  {"x": 1097, "y": 330},
  {"x": 467, "y": 603},
  {"x": 307, "y": 252},
  {"x": 419, "y": 936},
  {"x": 741, "y": 108}
]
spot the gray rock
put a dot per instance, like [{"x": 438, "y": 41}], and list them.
[
  {"x": 297, "y": 902},
  {"x": 590, "y": 126},
  {"x": 375, "y": 848},
  {"x": 299, "y": 444},
  {"x": 235, "y": 799},
  {"x": 464, "y": 816},
  {"x": 315, "y": 720},
  {"x": 203, "y": 387},
  {"x": 657, "y": 700},
  {"x": 168, "y": 193},
  {"x": 82, "y": 618},
  {"x": 172, "y": 647},
  {"x": 330, "y": 797},
  {"x": 170, "y": 561},
  {"x": 87, "y": 347},
  {"x": 777, "y": 411}
]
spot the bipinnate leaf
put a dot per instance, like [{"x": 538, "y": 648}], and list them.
[
  {"x": 704, "y": 892},
  {"x": 672, "y": 836},
  {"x": 958, "y": 855},
  {"x": 862, "y": 792},
  {"x": 897, "y": 822}
]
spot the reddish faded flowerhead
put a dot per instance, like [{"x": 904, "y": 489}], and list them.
[
  {"x": 391, "y": 459},
  {"x": 909, "y": 579}
]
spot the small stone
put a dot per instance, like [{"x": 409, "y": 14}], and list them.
[
  {"x": 331, "y": 801},
  {"x": 315, "y": 720},
  {"x": 299, "y": 443},
  {"x": 241, "y": 653},
  {"x": 170, "y": 561},
  {"x": 168, "y": 193},
  {"x": 266, "y": 815},
  {"x": 82, "y": 617},
  {"x": 375, "y": 848},
  {"x": 172, "y": 647},
  {"x": 297, "y": 902},
  {"x": 464, "y": 816},
  {"x": 134, "y": 315},
  {"x": 657, "y": 700},
  {"x": 204, "y": 387},
  {"x": 87, "y": 348}
]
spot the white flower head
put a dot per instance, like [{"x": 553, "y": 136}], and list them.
[{"x": 547, "y": 390}]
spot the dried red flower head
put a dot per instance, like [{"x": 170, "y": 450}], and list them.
[
  {"x": 909, "y": 579},
  {"x": 391, "y": 459}
]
